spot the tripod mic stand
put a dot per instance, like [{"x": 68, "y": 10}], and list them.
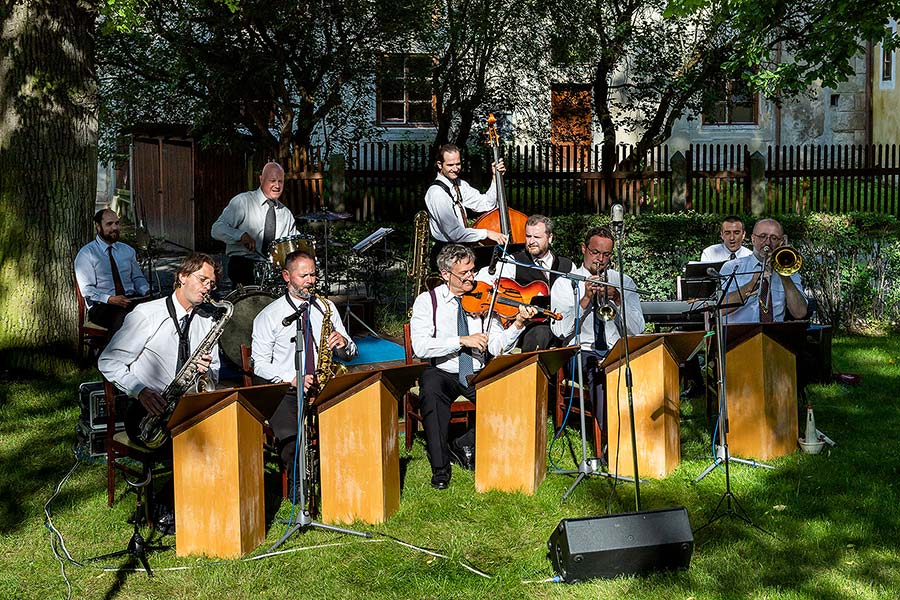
[
  {"x": 137, "y": 546},
  {"x": 732, "y": 508},
  {"x": 303, "y": 519}
]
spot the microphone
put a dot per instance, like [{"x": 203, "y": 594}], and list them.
[
  {"x": 295, "y": 315},
  {"x": 492, "y": 268},
  {"x": 617, "y": 219},
  {"x": 713, "y": 273}
]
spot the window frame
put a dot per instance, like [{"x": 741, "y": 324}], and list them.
[
  {"x": 729, "y": 93},
  {"x": 406, "y": 101}
]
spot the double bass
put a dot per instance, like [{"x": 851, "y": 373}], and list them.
[{"x": 503, "y": 219}]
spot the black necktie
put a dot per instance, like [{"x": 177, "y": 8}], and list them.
[
  {"x": 765, "y": 300},
  {"x": 269, "y": 229},
  {"x": 117, "y": 278},
  {"x": 184, "y": 342},
  {"x": 732, "y": 256},
  {"x": 599, "y": 330}
]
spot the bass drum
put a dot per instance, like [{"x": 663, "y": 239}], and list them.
[{"x": 248, "y": 302}]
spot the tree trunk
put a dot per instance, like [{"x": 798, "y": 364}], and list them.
[{"x": 48, "y": 173}]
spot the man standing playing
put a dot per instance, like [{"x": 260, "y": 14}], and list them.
[
  {"x": 597, "y": 335},
  {"x": 447, "y": 199},
  {"x": 763, "y": 295},
  {"x": 274, "y": 348},
  {"x": 158, "y": 337},
  {"x": 732, "y": 234},
  {"x": 537, "y": 253},
  {"x": 251, "y": 221},
  {"x": 456, "y": 344},
  {"x": 108, "y": 274}
]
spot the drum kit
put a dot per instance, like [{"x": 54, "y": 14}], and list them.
[{"x": 249, "y": 300}]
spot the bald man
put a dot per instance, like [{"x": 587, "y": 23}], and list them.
[{"x": 251, "y": 221}]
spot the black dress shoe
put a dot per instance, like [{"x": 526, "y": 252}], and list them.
[
  {"x": 440, "y": 479},
  {"x": 464, "y": 456}
]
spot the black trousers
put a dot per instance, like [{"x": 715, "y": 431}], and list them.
[
  {"x": 108, "y": 315},
  {"x": 284, "y": 426},
  {"x": 241, "y": 270},
  {"x": 438, "y": 390},
  {"x": 595, "y": 382},
  {"x": 537, "y": 336}
]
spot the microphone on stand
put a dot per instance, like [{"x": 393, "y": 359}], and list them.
[
  {"x": 713, "y": 273},
  {"x": 617, "y": 219},
  {"x": 492, "y": 268},
  {"x": 295, "y": 315}
]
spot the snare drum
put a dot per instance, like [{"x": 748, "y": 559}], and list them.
[
  {"x": 280, "y": 248},
  {"x": 248, "y": 302}
]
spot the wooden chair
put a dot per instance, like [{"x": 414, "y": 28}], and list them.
[
  {"x": 270, "y": 443},
  {"x": 119, "y": 446},
  {"x": 90, "y": 335},
  {"x": 461, "y": 411},
  {"x": 569, "y": 386}
]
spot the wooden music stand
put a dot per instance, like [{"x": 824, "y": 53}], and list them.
[
  {"x": 761, "y": 384},
  {"x": 217, "y": 455},
  {"x": 657, "y": 402},
  {"x": 511, "y": 420},
  {"x": 358, "y": 435}
]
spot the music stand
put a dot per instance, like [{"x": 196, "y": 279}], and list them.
[{"x": 696, "y": 282}]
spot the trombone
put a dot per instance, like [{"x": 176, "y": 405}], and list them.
[{"x": 786, "y": 260}]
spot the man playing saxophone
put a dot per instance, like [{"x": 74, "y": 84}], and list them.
[
  {"x": 158, "y": 337},
  {"x": 274, "y": 348}
]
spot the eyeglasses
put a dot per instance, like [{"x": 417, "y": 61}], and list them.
[
  {"x": 606, "y": 255},
  {"x": 205, "y": 282},
  {"x": 775, "y": 239},
  {"x": 465, "y": 274}
]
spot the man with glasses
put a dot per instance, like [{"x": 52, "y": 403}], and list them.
[
  {"x": 456, "y": 344},
  {"x": 763, "y": 295},
  {"x": 274, "y": 347},
  {"x": 158, "y": 337},
  {"x": 597, "y": 335}
]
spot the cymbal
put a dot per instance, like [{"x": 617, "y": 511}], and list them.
[{"x": 325, "y": 215}]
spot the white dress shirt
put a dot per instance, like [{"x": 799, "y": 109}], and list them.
[
  {"x": 720, "y": 253},
  {"x": 144, "y": 352},
  {"x": 444, "y": 346},
  {"x": 508, "y": 271},
  {"x": 563, "y": 301},
  {"x": 273, "y": 350},
  {"x": 743, "y": 268},
  {"x": 95, "y": 278},
  {"x": 246, "y": 213},
  {"x": 444, "y": 216}
]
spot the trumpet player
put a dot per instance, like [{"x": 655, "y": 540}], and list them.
[
  {"x": 599, "y": 310},
  {"x": 764, "y": 291}
]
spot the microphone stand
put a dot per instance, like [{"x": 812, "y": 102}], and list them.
[
  {"x": 732, "y": 508},
  {"x": 617, "y": 232},
  {"x": 303, "y": 520}
]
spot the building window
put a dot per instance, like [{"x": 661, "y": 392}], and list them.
[
  {"x": 887, "y": 63},
  {"x": 730, "y": 103},
  {"x": 404, "y": 90}
]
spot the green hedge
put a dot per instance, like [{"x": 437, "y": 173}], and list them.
[{"x": 851, "y": 261}]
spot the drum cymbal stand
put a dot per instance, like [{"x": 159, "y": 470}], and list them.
[
  {"x": 303, "y": 520},
  {"x": 728, "y": 505}
]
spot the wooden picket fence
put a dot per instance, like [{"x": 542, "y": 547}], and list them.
[{"x": 387, "y": 181}]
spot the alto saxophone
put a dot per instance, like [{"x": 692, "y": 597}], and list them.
[
  {"x": 326, "y": 367},
  {"x": 151, "y": 429}
]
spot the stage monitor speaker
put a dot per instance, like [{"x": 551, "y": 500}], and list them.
[{"x": 626, "y": 544}]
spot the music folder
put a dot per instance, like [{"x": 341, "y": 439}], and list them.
[{"x": 695, "y": 282}]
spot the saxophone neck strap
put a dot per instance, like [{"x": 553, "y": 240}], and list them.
[{"x": 182, "y": 335}]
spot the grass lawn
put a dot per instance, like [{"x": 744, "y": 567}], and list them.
[{"x": 835, "y": 517}]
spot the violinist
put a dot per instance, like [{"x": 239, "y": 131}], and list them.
[
  {"x": 598, "y": 334},
  {"x": 447, "y": 199},
  {"x": 456, "y": 344},
  {"x": 536, "y": 253}
]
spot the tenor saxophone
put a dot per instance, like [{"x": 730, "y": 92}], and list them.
[{"x": 150, "y": 430}]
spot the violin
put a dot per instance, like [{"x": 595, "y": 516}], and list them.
[
  {"x": 509, "y": 299},
  {"x": 507, "y": 221}
]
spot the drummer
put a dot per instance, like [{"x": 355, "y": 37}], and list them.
[{"x": 251, "y": 222}]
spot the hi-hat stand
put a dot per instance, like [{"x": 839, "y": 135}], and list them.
[
  {"x": 137, "y": 546},
  {"x": 303, "y": 519},
  {"x": 728, "y": 505}
]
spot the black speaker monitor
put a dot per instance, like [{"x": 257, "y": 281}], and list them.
[{"x": 626, "y": 544}]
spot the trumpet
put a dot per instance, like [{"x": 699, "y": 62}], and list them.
[
  {"x": 786, "y": 260},
  {"x": 604, "y": 308}
]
